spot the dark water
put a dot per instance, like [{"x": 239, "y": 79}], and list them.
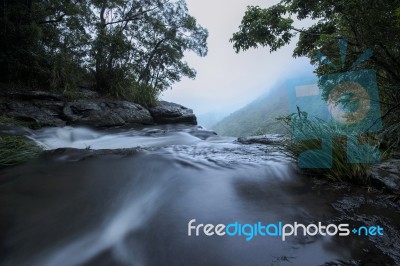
[{"x": 82, "y": 207}]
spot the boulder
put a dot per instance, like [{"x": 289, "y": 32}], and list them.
[
  {"x": 266, "y": 139},
  {"x": 33, "y": 108},
  {"x": 172, "y": 113},
  {"x": 32, "y": 95},
  {"x": 87, "y": 93},
  {"x": 202, "y": 133},
  {"x": 387, "y": 174},
  {"x": 39, "y": 108},
  {"x": 104, "y": 113}
]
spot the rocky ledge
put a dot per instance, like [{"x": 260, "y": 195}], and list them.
[
  {"x": 270, "y": 139},
  {"x": 50, "y": 109}
]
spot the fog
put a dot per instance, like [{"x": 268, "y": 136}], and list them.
[{"x": 227, "y": 81}]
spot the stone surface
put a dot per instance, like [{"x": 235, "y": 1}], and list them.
[
  {"x": 50, "y": 109},
  {"x": 33, "y": 95},
  {"x": 105, "y": 113},
  {"x": 388, "y": 173},
  {"x": 202, "y": 133},
  {"x": 34, "y": 107},
  {"x": 87, "y": 93},
  {"x": 266, "y": 139},
  {"x": 172, "y": 113}
]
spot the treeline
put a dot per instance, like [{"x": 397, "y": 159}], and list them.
[{"x": 124, "y": 48}]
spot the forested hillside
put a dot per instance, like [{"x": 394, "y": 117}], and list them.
[{"x": 258, "y": 117}]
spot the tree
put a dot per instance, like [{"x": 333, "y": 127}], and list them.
[
  {"x": 126, "y": 48},
  {"x": 42, "y": 42},
  {"x": 142, "y": 43},
  {"x": 364, "y": 24}
]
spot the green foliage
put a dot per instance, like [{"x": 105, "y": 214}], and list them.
[
  {"x": 364, "y": 24},
  {"x": 265, "y": 27},
  {"x": 143, "y": 42},
  {"x": 110, "y": 45},
  {"x": 41, "y": 42},
  {"x": 142, "y": 94},
  {"x": 15, "y": 150},
  {"x": 398, "y": 15},
  {"x": 317, "y": 130},
  {"x": 5, "y": 120},
  {"x": 71, "y": 93}
]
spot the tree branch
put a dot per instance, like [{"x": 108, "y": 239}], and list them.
[
  {"x": 153, "y": 53},
  {"x": 59, "y": 19},
  {"x": 135, "y": 17}
]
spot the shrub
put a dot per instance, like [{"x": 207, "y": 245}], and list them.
[
  {"x": 310, "y": 132},
  {"x": 142, "y": 94}
]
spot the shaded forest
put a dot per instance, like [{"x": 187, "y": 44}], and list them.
[{"x": 132, "y": 49}]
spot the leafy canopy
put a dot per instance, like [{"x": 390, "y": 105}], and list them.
[
  {"x": 120, "y": 47},
  {"x": 364, "y": 24}
]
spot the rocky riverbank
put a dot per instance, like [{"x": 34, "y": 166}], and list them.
[{"x": 45, "y": 109}]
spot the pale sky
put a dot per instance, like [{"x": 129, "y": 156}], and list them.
[{"x": 227, "y": 81}]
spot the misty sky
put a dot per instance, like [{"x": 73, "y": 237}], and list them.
[{"x": 225, "y": 80}]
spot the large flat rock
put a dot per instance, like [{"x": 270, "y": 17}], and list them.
[
  {"x": 172, "y": 113},
  {"x": 101, "y": 113},
  {"x": 53, "y": 110}
]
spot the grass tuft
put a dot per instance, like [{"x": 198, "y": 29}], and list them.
[
  {"x": 71, "y": 94},
  {"x": 16, "y": 149},
  {"x": 142, "y": 94},
  {"x": 5, "y": 120},
  {"x": 308, "y": 137}
]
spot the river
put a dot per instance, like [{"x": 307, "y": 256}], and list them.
[{"x": 125, "y": 197}]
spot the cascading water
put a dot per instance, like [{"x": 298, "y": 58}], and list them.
[{"x": 132, "y": 207}]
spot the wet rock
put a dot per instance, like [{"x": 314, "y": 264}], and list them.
[
  {"x": 266, "y": 139},
  {"x": 36, "y": 108},
  {"x": 50, "y": 109},
  {"x": 33, "y": 95},
  {"x": 11, "y": 130},
  {"x": 87, "y": 93},
  {"x": 71, "y": 154},
  {"x": 388, "y": 173},
  {"x": 202, "y": 133},
  {"x": 106, "y": 113},
  {"x": 172, "y": 113},
  {"x": 162, "y": 130}
]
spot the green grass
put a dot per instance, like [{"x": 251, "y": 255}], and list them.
[
  {"x": 71, "y": 94},
  {"x": 313, "y": 132},
  {"x": 142, "y": 94},
  {"x": 5, "y": 120},
  {"x": 16, "y": 149}
]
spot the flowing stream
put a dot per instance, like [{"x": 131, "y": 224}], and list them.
[{"x": 125, "y": 197}]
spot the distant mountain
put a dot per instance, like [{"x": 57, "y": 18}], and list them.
[
  {"x": 208, "y": 120},
  {"x": 258, "y": 117}
]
